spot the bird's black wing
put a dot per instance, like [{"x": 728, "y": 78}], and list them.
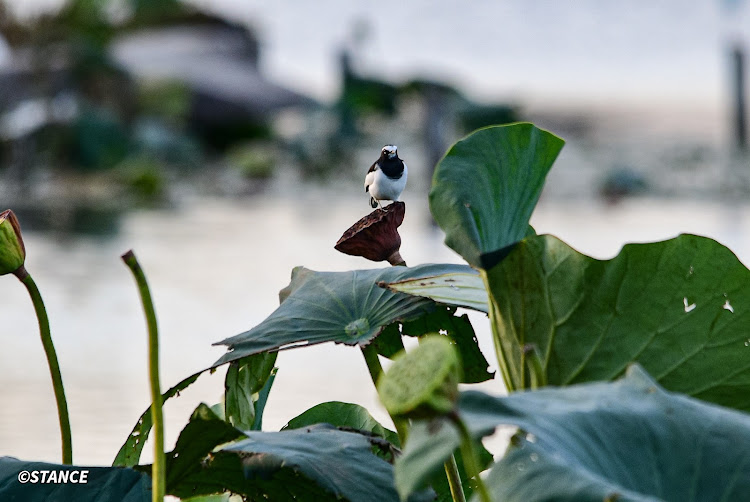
[{"x": 373, "y": 167}]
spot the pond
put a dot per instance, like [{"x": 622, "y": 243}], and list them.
[{"x": 215, "y": 267}]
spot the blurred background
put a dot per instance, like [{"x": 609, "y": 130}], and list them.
[{"x": 226, "y": 142}]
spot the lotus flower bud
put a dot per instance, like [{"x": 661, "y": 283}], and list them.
[
  {"x": 375, "y": 236},
  {"x": 12, "y": 250},
  {"x": 422, "y": 383}
]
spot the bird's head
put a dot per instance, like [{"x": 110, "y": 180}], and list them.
[{"x": 389, "y": 151}]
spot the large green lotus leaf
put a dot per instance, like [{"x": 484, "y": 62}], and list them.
[
  {"x": 203, "y": 433},
  {"x": 348, "y": 415},
  {"x": 318, "y": 462},
  {"x": 458, "y": 289},
  {"x": 103, "y": 484},
  {"x": 486, "y": 187},
  {"x": 341, "y": 307},
  {"x": 680, "y": 308},
  {"x": 623, "y": 440},
  {"x": 340, "y": 462}
]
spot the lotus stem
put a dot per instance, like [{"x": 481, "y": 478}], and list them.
[
  {"x": 158, "y": 472},
  {"x": 494, "y": 320},
  {"x": 376, "y": 370},
  {"x": 454, "y": 480},
  {"x": 54, "y": 365},
  {"x": 469, "y": 454},
  {"x": 402, "y": 426}
]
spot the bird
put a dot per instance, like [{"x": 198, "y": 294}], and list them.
[{"x": 386, "y": 178}]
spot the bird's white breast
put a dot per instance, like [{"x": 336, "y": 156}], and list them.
[{"x": 384, "y": 188}]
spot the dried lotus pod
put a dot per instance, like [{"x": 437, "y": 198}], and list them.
[{"x": 375, "y": 236}]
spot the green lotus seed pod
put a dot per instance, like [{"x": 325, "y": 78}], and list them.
[
  {"x": 12, "y": 251},
  {"x": 422, "y": 383}
]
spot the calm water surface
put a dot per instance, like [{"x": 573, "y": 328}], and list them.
[{"x": 215, "y": 267}]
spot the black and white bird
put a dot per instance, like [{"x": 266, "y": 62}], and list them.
[{"x": 386, "y": 178}]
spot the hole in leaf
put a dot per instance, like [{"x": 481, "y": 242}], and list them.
[
  {"x": 689, "y": 307},
  {"x": 728, "y": 306}
]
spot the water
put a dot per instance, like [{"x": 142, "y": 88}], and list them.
[{"x": 215, "y": 267}]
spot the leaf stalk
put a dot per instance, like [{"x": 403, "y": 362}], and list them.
[
  {"x": 158, "y": 473},
  {"x": 52, "y": 362}
]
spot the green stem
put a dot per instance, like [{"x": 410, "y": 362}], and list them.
[
  {"x": 402, "y": 426},
  {"x": 376, "y": 370},
  {"x": 497, "y": 341},
  {"x": 54, "y": 365},
  {"x": 158, "y": 473},
  {"x": 451, "y": 469},
  {"x": 373, "y": 363},
  {"x": 454, "y": 480},
  {"x": 469, "y": 454}
]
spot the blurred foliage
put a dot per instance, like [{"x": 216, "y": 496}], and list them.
[
  {"x": 95, "y": 22},
  {"x": 121, "y": 119},
  {"x": 367, "y": 95},
  {"x": 253, "y": 160},
  {"x": 92, "y": 219},
  {"x": 170, "y": 100},
  {"x": 171, "y": 145},
  {"x": 222, "y": 136},
  {"x": 143, "y": 177},
  {"x": 100, "y": 140},
  {"x": 106, "y": 129},
  {"x": 475, "y": 116},
  {"x": 422, "y": 86}
]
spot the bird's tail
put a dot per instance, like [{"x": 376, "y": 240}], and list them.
[{"x": 373, "y": 202}]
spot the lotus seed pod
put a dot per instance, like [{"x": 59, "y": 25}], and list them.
[
  {"x": 422, "y": 383},
  {"x": 375, "y": 236},
  {"x": 12, "y": 250}
]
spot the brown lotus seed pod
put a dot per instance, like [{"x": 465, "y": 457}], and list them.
[{"x": 375, "y": 236}]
